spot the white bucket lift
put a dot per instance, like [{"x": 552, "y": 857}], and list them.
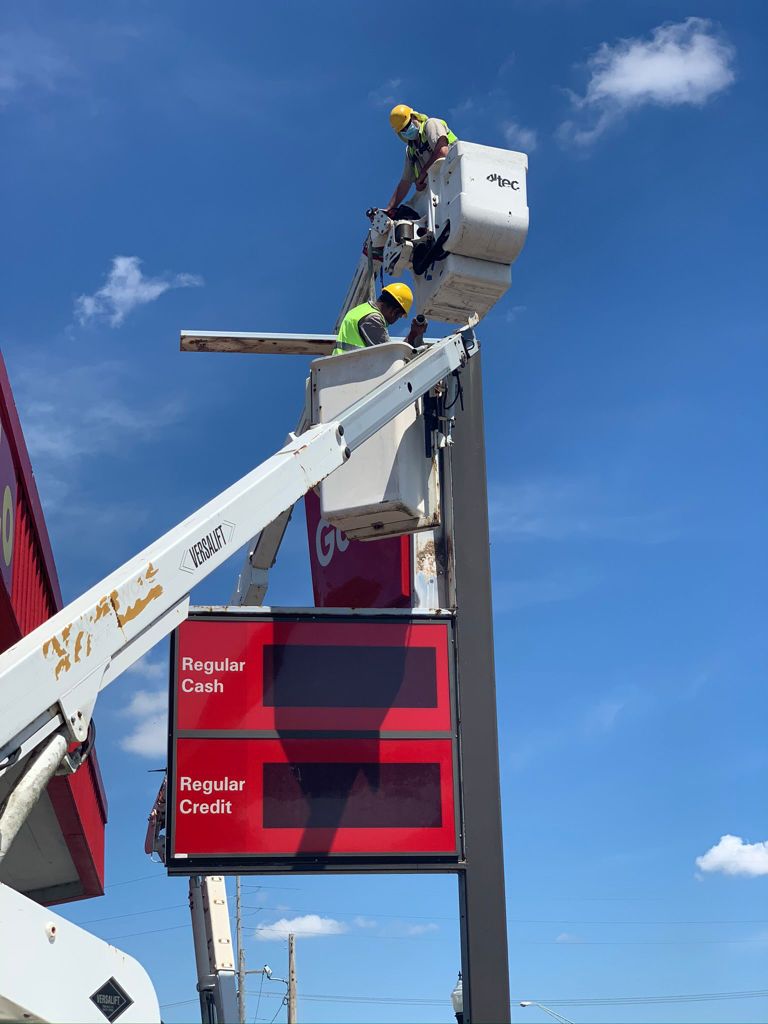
[
  {"x": 389, "y": 486},
  {"x": 474, "y": 222},
  {"x": 479, "y": 199}
]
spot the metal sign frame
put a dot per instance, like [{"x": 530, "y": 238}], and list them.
[{"x": 308, "y": 863}]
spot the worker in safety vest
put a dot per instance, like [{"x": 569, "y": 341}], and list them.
[
  {"x": 367, "y": 323},
  {"x": 427, "y": 139}
]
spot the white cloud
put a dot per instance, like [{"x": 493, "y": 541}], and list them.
[
  {"x": 683, "y": 63},
  {"x": 30, "y": 62},
  {"x": 519, "y": 137},
  {"x": 127, "y": 288},
  {"x": 148, "y": 669},
  {"x": 568, "y": 937},
  {"x": 149, "y": 731},
  {"x": 421, "y": 929},
  {"x": 72, "y": 415},
  {"x": 556, "y": 509},
  {"x": 364, "y": 922},
  {"x": 513, "y": 594},
  {"x": 309, "y": 926},
  {"x": 602, "y": 717},
  {"x": 387, "y": 94},
  {"x": 79, "y": 411},
  {"x": 511, "y": 315},
  {"x": 576, "y": 726},
  {"x": 462, "y": 109},
  {"x": 732, "y": 856}
]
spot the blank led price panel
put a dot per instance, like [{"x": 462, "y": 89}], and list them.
[{"x": 312, "y": 741}]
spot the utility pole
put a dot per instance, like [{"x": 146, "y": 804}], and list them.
[
  {"x": 240, "y": 955},
  {"x": 292, "y": 1015}
]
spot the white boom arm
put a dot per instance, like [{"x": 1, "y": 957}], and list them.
[
  {"x": 49, "y": 680},
  {"x": 53, "y": 970}
]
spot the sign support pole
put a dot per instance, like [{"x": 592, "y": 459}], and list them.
[
  {"x": 240, "y": 954},
  {"x": 484, "y": 961}
]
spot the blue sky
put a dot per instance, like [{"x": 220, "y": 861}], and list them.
[{"x": 226, "y": 154}]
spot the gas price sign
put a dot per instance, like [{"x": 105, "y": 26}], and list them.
[{"x": 312, "y": 742}]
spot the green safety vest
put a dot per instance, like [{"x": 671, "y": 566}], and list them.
[
  {"x": 414, "y": 149},
  {"x": 349, "y": 333}
]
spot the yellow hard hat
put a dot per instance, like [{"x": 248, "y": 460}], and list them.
[
  {"x": 402, "y": 295},
  {"x": 399, "y": 117}
]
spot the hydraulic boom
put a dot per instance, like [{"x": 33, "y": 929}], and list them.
[{"x": 49, "y": 680}]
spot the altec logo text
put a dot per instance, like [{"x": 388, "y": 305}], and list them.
[{"x": 503, "y": 182}]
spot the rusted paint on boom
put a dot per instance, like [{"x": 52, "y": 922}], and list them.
[{"x": 67, "y": 651}]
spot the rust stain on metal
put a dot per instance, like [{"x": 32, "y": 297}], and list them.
[
  {"x": 426, "y": 561},
  {"x": 66, "y": 647},
  {"x": 138, "y": 606},
  {"x": 140, "y": 603},
  {"x": 64, "y": 665},
  {"x": 58, "y": 648}
]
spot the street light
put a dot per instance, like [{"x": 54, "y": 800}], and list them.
[
  {"x": 457, "y": 998},
  {"x": 546, "y": 1009}
]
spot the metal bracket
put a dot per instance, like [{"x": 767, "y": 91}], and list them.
[{"x": 77, "y": 704}]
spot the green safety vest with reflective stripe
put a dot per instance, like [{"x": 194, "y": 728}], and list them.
[
  {"x": 414, "y": 150},
  {"x": 349, "y": 333}
]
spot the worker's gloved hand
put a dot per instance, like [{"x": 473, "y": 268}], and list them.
[{"x": 418, "y": 327}]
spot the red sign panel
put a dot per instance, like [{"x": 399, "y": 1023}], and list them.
[
  {"x": 354, "y": 573},
  {"x": 8, "y": 486},
  {"x": 326, "y": 738},
  {"x": 297, "y": 796},
  {"x": 278, "y": 674}
]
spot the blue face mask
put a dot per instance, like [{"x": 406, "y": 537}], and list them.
[{"x": 410, "y": 132}]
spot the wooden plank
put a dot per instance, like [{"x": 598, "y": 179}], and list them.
[{"x": 259, "y": 344}]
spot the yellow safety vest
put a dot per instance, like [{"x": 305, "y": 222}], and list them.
[
  {"x": 415, "y": 148},
  {"x": 349, "y": 333}
]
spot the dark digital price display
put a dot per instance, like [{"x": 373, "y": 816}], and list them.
[
  {"x": 278, "y": 674},
  {"x": 305, "y": 676},
  {"x": 352, "y": 795},
  {"x": 314, "y": 797}
]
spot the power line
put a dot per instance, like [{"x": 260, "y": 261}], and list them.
[
  {"x": 152, "y": 931},
  {"x": 355, "y": 913},
  {"x": 274, "y": 888},
  {"x": 536, "y": 942},
  {"x": 697, "y": 997},
  {"x": 526, "y": 942},
  {"x": 511, "y": 920},
  {"x": 562, "y": 920},
  {"x": 258, "y": 1001},
  {"x": 136, "y": 913},
  {"x": 637, "y": 942},
  {"x": 161, "y": 874},
  {"x": 141, "y": 878},
  {"x": 282, "y": 1003}
]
